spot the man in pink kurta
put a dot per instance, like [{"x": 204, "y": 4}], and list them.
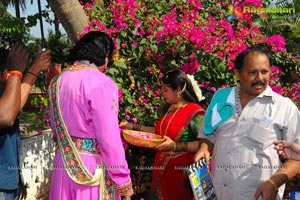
[{"x": 88, "y": 100}]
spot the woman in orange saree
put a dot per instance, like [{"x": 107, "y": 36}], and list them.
[{"x": 179, "y": 124}]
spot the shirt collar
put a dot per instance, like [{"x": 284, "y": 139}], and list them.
[
  {"x": 85, "y": 62},
  {"x": 268, "y": 92}
]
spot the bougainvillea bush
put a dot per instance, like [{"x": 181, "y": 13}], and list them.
[{"x": 155, "y": 36}]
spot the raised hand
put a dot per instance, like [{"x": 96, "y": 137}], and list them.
[
  {"x": 17, "y": 58},
  {"x": 287, "y": 150},
  {"x": 42, "y": 62}
]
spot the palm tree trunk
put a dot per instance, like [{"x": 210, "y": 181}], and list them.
[{"x": 71, "y": 15}]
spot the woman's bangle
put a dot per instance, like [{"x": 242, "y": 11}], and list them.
[
  {"x": 273, "y": 183},
  {"x": 7, "y": 74},
  {"x": 131, "y": 125},
  {"x": 184, "y": 146},
  {"x": 136, "y": 127},
  {"x": 174, "y": 147},
  {"x": 33, "y": 74},
  {"x": 180, "y": 146}
]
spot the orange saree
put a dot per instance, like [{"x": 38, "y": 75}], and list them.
[{"x": 168, "y": 180}]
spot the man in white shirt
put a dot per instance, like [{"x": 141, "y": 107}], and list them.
[{"x": 240, "y": 126}]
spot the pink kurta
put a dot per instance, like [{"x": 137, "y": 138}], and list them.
[{"x": 89, "y": 107}]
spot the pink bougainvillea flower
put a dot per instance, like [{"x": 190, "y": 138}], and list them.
[
  {"x": 88, "y": 6},
  {"x": 230, "y": 65},
  {"x": 120, "y": 93},
  {"x": 277, "y": 42},
  {"x": 127, "y": 117},
  {"x": 277, "y": 88},
  {"x": 136, "y": 102},
  {"x": 134, "y": 43},
  {"x": 275, "y": 69},
  {"x": 188, "y": 36}
]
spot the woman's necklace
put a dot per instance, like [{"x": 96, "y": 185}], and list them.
[{"x": 171, "y": 109}]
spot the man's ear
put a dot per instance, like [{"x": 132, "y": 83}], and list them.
[{"x": 237, "y": 75}]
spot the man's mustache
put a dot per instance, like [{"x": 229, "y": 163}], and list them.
[{"x": 258, "y": 83}]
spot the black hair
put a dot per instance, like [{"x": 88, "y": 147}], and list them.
[
  {"x": 178, "y": 79},
  {"x": 239, "y": 61},
  {"x": 94, "y": 47},
  {"x": 208, "y": 94}
]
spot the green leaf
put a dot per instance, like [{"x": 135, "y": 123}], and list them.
[{"x": 120, "y": 64}]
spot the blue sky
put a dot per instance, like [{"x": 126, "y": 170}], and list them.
[{"x": 32, "y": 9}]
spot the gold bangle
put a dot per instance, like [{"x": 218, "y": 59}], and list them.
[
  {"x": 136, "y": 127},
  {"x": 184, "y": 146},
  {"x": 174, "y": 147},
  {"x": 273, "y": 183},
  {"x": 178, "y": 146}
]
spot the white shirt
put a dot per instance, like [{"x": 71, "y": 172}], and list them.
[{"x": 244, "y": 155}]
